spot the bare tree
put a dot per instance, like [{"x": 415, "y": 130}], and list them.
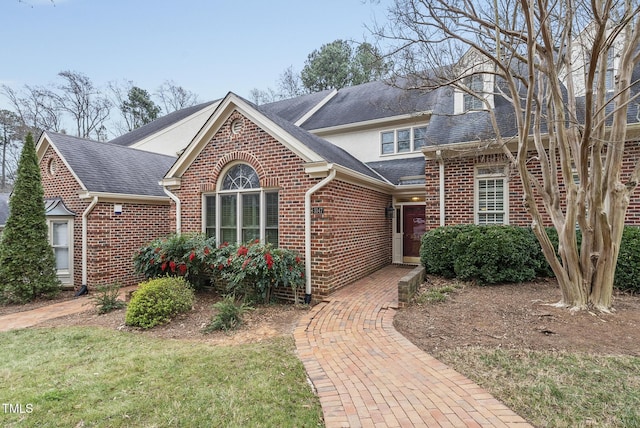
[
  {"x": 37, "y": 108},
  {"x": 173, "y": 97},
  {"x": 12, "y": 130},
  {"x": 554, "y": 62},
  {"x": 86, "y": 104}
]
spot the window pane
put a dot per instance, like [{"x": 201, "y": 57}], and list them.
[
  {"x": 60, "y": 234},
  {"x": 241, "y": 176},
  {"x": 228, "y": 218},
  {"x": 272, "y": 209},
  {"x": 62, "y": 258},
  {"x": 250, "y": 217},
  {"x": 210, "y": 216},
  {"x": 251, "y": 210},
  {"x": 388, "y": 142},
  {"x": 491, "y": 193},
  {"x": 419, "y": 138},
  {"x": 271, "y": 218},
  {"x": 404, "y": 140}
]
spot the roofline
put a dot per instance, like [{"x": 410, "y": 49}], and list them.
[
  {"x": 230, "y": 103},
  {"x": 410, "y": 117},
  {"x": 124, "y": 197},
  {"x": 41, "y": 149},
  {"x": 321, "y": 170},
  {"x": 315, "y": 109},
  {"x": 174, "y": 125}
]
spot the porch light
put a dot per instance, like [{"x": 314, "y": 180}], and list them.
[{"x": 389, "y": 212}]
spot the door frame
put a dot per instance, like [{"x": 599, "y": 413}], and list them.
[{"x": 398, "y": 232}]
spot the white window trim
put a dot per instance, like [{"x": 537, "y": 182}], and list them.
[
  {"x": 239, "y": 212},
  {"x": 476, "y": 189},
  {"x": 65, "y": 275},
  {"x": 412, "y": 148}
]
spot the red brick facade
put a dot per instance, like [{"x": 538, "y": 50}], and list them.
[
  {"x": 460, "y": 190},
  {"x": 112, "y": 239},
  {"x": 350, "y": 238}
]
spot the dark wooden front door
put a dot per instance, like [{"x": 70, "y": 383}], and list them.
[{"x": 414, "y": 227}]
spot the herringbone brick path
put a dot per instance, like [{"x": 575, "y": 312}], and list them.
[{"x": 368, "y": 375}]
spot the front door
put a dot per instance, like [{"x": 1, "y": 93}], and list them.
[{"x": 414, "y": 227}]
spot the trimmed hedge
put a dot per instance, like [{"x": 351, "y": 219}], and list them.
[
  {"x": 158, "y": 300},
  {"x": 495, "y": 254}
]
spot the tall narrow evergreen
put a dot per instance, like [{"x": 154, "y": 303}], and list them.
[{"x": 27, "y": 262}]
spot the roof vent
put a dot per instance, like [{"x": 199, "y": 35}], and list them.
[{"x": 236, "y": 126}]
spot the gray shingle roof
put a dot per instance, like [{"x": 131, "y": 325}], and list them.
[
  {"x": 110, "y": 168},
  {"x": 160, "y": 123},
  {"x": 328, "y": 151},
  {"x": 369, "y": 101},
  {"x": 395, "y": 169},
  {"x": 293, "y": 109}
]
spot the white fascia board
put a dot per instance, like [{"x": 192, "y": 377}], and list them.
[
  {"x": 230, "y": 103},
  {"x": 170, "y": 182},
  {"x": 41, "y": 148},
  {"x": 317, "y": 107},
  {"x": 123, "y": 197},
  {"x": 373, "y": 123},
  {"x": 321, "y": 170}
]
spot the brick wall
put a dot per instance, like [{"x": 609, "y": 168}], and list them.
[
  {"x": 112, "y": 239},
  {"x": 459, "y": 189},
  {"x": 350, "y": 239}
]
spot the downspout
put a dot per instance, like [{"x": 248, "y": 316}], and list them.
[
  {"x": 442, "y": 193},
  {"x": 85, "y": 244},
  {"x": 307, "y": 231},
  {"x": 175, "y": 199}
]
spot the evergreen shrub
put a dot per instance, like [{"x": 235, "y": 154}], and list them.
[
  {"x": 158, "y": 300},
  {"x": 628, "y": 269}
]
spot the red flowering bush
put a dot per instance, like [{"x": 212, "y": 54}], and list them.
[
  {"x": 259, "y": 267},
  {"x": 251, "y": 268},
  {"x": 185, "y": 255}
]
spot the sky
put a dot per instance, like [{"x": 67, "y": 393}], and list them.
[{"x": 209, "y": 47}]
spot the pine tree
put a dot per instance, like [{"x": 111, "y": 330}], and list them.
[{"x": 27, "y": 262}]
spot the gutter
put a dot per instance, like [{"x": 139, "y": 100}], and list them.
[
  {"x": 175, "y": 199},
  {"x": 442, "y": 192},
  {"x": 85, "y": 244},
  {"x": 307, "y": 230}
]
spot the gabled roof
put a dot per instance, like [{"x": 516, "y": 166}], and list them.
[
  {"x": 157, "y": 125},
  {"x": 56, "y": 207},
  {"x": 309, "y": 147},
  {"x": 369, "y": 102},
  {"x": 110, "y": 168},
  {"x": 294, "y": 109}
]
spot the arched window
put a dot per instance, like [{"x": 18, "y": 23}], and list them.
[{"x": 241, "y": 211}]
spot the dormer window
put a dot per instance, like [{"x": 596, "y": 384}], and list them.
[{"x": 474, "y": 101}]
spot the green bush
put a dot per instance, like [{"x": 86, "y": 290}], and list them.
[
  {"x": 158, "y": 300},
  {"x": 256, "y": 268},
  {"x": 487, "y": 254},
  {"x": 106, "y": 298},
  {"x": 229, "y": 314},
  {"x": 628, "y": 268},
  {"x": 437, "y": 254},
  {"x": 186, "y": 255},
  {"x": 495, "y": 254}
]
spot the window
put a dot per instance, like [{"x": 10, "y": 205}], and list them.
[
  {"x": 491, "y": 195},
  {"x": 403, "y": 140},
  {"x": 241, "y": 211},
  {"x": 60, "y": 240},
  {"x": 474, "y": 101}
]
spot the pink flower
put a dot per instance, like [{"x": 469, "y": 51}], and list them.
[
  {"x": 192, "y": 256},
  {"x": 269, "y": 259},
  {"x": 243, "y": 251},
  {"x": 172, "y": 266},
  {"x": 183, "y": 268}
]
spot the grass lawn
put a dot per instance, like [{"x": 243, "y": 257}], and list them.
[
  {"x": 557, "y": 389},
  {"x": 73, "y": 377}
]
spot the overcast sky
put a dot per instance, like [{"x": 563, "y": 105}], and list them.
[{"x": 209, "y": 47}]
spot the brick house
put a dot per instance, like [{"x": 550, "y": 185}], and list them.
[{"x": 349, "y": 178}]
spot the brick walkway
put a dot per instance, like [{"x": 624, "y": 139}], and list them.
[{"x": 368, "y": 375}]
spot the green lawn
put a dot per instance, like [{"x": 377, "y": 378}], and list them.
[
  {"x": 70, "y": 377},
  {"x": 557, "y": 389}
]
